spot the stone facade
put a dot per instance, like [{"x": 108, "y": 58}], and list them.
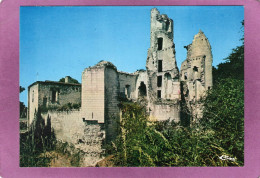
[
  {"x": 51, "y": 95},
  {"x": 160, "y": 86}
]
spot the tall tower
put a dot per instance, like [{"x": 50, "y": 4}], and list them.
[
  {"x": 162, "y": 71},
  {"x": 197, "y": 68},
  {"x": 196, "y": 72}
]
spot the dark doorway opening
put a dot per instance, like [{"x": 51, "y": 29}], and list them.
[{"x": 142, "y": 89}]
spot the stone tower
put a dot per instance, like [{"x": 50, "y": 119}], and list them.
[
  {"x": 162, "y": 71},
  {"x": 196, "y": 72}
]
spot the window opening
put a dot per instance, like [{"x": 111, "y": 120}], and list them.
[
  {"x": 159, "y": 81},
  {"x": 159, "y": 65},
  {"x": 185, "y": 76},
  {"x": 53, "y": 96},
  {"x": 159, "y": 94},
  {"x": 127, "y": 91},
  {"x": 45, "y": 101},
  {"x": 195, "y": 69},
  {"x": 160, "y": 43}
]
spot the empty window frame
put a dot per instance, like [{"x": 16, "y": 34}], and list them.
[
  {"x": 53, "y": 95},
  {"x": 44, "y": 101},
  {"x": 159, "y": 65},
  {"x": 195, "y": 69},
  {"x": 127, "y": 91},
  {"x": 160, "y": 43},
  {"x": 159, "y": 94},
  {"x": 159, "y": 81}
]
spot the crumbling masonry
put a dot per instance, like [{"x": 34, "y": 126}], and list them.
[{"x": 161, "y": 86}]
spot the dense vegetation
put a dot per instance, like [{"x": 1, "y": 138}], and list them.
[
  {"x": 35, "y": 143},
  {"x": 217, "y": 139},
  {"x": 65, "y": 107}
]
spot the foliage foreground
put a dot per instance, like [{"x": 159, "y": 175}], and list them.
[{"x": 143, "y": 143}]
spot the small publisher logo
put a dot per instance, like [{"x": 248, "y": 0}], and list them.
[{"x": 225, "y": 157}]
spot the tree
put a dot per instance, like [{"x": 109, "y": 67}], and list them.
[
  {"x": 72, "y": 80},
  {"x": 224, "y": 115},
  {"x": 21, "y": 89},
  {"x": 233, "y": 67},
  {"x": 23, "y": 108}
]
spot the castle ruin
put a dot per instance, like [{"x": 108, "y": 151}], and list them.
[{"x": 162, "y": 86}]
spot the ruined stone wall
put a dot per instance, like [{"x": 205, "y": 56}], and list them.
[
  {"x": 127, "y": 85},
  {"x": 198, "y": 64},
  {"x": 51, "y": 95},
  {"x": 161, "y": 62},
  {"x": 162, "y": 71},
  {"x": 163, "y": 111},
  {"x": 93, "y": 94},
  {"x": 160, "y": 23},
  {"x": 200, "y": 47},
  {"x": 86, "y": 136},
  {"x": 111, "y": 102},
  {"x": 196, "y": 73},
  {"x": 67, "y": 125},
  {"x": 141, "y": 80},
  {"x": 100, "y": 95},
  {"x": 33, "y": 96}
]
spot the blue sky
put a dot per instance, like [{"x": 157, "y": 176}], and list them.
[{"x": 63, "y": 41}]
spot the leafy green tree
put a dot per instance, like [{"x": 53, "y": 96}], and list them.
[
  {"x": 139, "y": 143},
  {"x": 233, "y": 67},
  {"x": 23, "y": 108},
  {"x": 224, "y": 106},
  {"x": 21, "y": 89},
  {"x": 224, "y": 115},
  {"x": 143, "y": 143},
  {"x": 72, "y": 80}
]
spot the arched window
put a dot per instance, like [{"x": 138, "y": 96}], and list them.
[{"x": 127, "y": 91}]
